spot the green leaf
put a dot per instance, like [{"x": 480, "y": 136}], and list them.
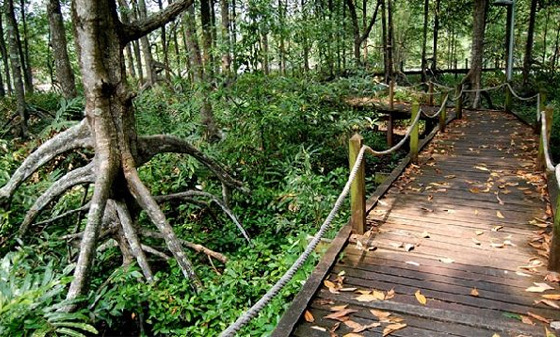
[{"x": 81, "y": 326}]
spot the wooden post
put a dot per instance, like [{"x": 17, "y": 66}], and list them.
[
  {"x": 358, "y": 187},
  {"x": 541, "y": 107},
  {"x": 414, "y": 133},
  {"x": 466, "y": 64},
  {"x": 391, "y": 95},
  {"x": 508, "y": 101},
  {"x": 390, "y": 130},
  {"x": 541, "y": 161},
  {"x": 554, "y": 255},
  {"x": 459, "y": 103},
  {"x": 443, "y": 115},
  {"x": 430, "y": 94}
]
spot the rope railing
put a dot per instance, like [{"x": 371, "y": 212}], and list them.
[
  {"x": 257, "y": 307},
  {"x": 356, "y": 185},
  {"x": 412, "y": 132}
]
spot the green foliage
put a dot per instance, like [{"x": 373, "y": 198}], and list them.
[{"x": 31, "y": 298}]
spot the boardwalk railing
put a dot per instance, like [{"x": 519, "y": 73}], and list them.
[{"x": 355, "y": 184}]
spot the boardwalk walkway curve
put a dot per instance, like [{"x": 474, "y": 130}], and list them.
[{"x": 387, "y": 234}]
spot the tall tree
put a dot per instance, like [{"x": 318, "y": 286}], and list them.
[
  {"x": 436, "y": 36},
  {"x": 474, "y": 76},
  {"x": 24, "y": 50},
  {"x": 15, "y": 63},
  {"x": 64, "y": 73},
  {"x": 425, "y": 39},
  {"x": 528, "y": 57},
  {"x": 226, "y": 56},
  {"x": 5, "y": 61},
  {"x": 142, "y": 14},
  {"x": 359, "y": 38},
  {"x": 109, "y": 129}
]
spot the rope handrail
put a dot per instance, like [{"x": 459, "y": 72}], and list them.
[
  {"x": 443, "y": 106},
  {"x": 399, "y": 144},
  {"x": 289, "y": 274},
  {"x": 549, "y": 163},
  {"x": 519, "y": 97},
  {"x": 486, "y": 89}
]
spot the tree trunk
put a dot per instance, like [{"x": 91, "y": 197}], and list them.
[
  {"x": 545, "y": 35},
  {"x": 305, "y": 40},
  {"x": 425, "y": 39},
  {"x": 391, "y": 41},
  {"x": 164, "y": 46},
  {"x": 226, "y": 56},
  {"x": 142, "y": 14},
  {"x": 15, "y": 62},
  {"x": 5, "y": 58},
  {"x": 199, "y": 75},
  {"x": 110, "y": 121},
  {"x": 528, "y": 59},
  {"x": 436, "y": 36},
  {"x": 64, "y": 73},
  {"x": 266, "y": 68},
  {"x": 282, "y": 48},
  {"x": 24, "y": 51},
  {"x": 556, "y": 49},
  {"x": 474, "y": 75},
  {"x": 206, "y": 23}
]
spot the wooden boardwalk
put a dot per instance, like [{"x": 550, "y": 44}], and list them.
[{"x": 463, "y": 230}]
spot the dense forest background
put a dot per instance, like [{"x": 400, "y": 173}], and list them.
[{"x": 252, "y": 95}]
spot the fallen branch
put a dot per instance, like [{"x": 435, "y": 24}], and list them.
[{"x": 194, "y": 246}]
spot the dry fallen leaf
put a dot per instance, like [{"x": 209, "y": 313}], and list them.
[
  {"x": 476, "y": 242},
  {"x": 408, "y": 247},
  {"x": 413, "y": 263},
  {"x": 479, "y": 232},
  {"x": 366, "y": 298},
  {"x": 495, "y": 335},
  {"x": 474, "y": 292},
  {"x": 320, "y": 328},
  {"x": 555, "y": 297},
  {"x": 329, "y": 284},
  {"x": 446, "y": 260},
  {"x": 421, "y": 298},
  {"x": 548, "y": 333},
  {"x": 381, "y": 315},
  {"x": 352, "y": 289},
  {"x": 549, "y": 303},
  {"x": 499, "y": 215},
  {"x": 353, "y": 334},
  {"x": 392, "y": 328},
  {"x": 340, "y": 314},
  {"x": 527, "y": 320},
  {"x": 497, "y": 228},
  {"x": 538, "y": 318},
  {"x": 339, "y": 307},
  {"x": 390, "y": 294},
  {"x": 482, "y": 168},
  {"x": 425, "y": 234},
  {"x": 308, "y": 316},
  {"x": 476, "y": 212}
]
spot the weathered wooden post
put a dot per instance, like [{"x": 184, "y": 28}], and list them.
[
  {"x": 554, "y": 255},
  {"x": 508, "y": 101},
  {"x": 358, "y": 187},
  {"x": 443, "y": 114},
  {"x": 391, "y": 95},
  {"x": 459, "y": 102},
  {"x": 541, "y": 107},
  {"x": 414, "y": 133},
  {"x": 541, "y": 161},
  {"x": 430, "y": 93}
]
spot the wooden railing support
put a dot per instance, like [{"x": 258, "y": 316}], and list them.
[
  {"x": 554, "y": 255},
  {"x": 414, "y": 133},
  {"x": 358, "y": 187},
  {"x": 542, "y": 107},
  {"x": 391, "y": 95},
  {"x": 541, "y": 161},
  {"x": 430, "y": 93},
  {"x": 443, "y": 115},
  {"x": 509, "y": 99},
  {"x": 459, "y": 103}
]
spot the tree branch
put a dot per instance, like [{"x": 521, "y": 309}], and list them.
[
  {"x": 78, "y": 176},
  {"x": 371, "y": 23},
  {"x": 140, "y": 28},
  {"x": 149, "y": 146},
  {"x": 188, "y": 194},
  {"x": 76, "y": 136}
]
